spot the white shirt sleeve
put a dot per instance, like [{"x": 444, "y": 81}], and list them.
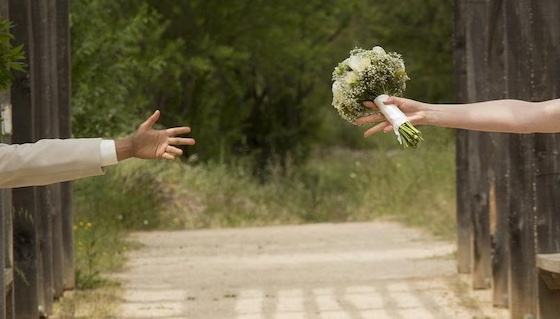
[{"x": 108, "y": 153}]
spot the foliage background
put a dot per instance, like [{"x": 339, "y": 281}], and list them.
[{"x": 253, "y": 80}]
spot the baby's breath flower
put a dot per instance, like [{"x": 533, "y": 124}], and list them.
[{"x": 366, "y": 75}]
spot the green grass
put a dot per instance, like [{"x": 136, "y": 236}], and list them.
[{"x": 416, "y": 187}]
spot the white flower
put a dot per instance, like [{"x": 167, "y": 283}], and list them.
[
  {"x": 378, "y": 50},
  {"x": 365, "y": 74},
  {"x": 351, "y": 77},
  {"x": 338, "y": 92},
  {"x": 359, "y": 63}
]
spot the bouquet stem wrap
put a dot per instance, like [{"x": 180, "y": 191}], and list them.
[{"x": 405, "y": 132}]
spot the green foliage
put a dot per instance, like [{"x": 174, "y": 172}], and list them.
[
  {"x": 422, "y": 31},
  {"x": 250, "y": 71},
  {"x": 11, "y": 58},
  {"x": 127, "y": 196},
  {"x": 116, "y": 56},
  {"x": 106, "y": 208},
  {"x": 416, "y": 188},
  {"x": 252, "y": 78}
]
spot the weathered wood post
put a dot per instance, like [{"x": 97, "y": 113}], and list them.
[
  {"x": 545, "y": 85},
  {"x": 56, "y": 206},
  {"x": 6, "y": 255},
  {"x": 464, "y": 224},
  {"x": 474, "y": 15},
  {"x": 523, "y": 275},
  {"x": 498, "y": 156},
  {"x": 26, "y": 225},
  {"x": 65, "y": 131},
  {"x": 42, "y": 99}
]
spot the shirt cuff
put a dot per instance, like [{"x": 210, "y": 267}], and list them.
[{"x": 108, "y": 153}]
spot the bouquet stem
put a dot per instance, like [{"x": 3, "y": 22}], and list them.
[{"x": 406, "y": 133}]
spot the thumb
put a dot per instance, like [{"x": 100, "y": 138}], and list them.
[{"x": 150, "y": 121}]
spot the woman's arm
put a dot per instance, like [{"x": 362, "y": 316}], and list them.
[{"x": 508, "y": 116}]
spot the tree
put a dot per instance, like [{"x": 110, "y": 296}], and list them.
[
  {"x": 250, "y": 72},
  {"x": 117, "y": 55}
]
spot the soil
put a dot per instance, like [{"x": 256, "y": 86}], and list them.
[{"x": 371, "y": 270}]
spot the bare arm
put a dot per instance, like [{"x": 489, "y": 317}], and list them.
[{"x": 508, "y": 116}]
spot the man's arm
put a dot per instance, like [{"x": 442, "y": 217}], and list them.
[
  {"x": 49, "y": 161},
  {"x": 52, "y": 160}
]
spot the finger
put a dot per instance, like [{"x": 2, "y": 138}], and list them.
[
  {"x": 370, "y": 119},
  {"x": 181, "y": 141},
  {"x": 414, "y": 119},
  {"x": 394, "y": 100},
  {"x": 174, "y": 131},
  {"x": 173, "y": 150},
  {"x": 370, "y": 104},
  {"x": 150, "y": 121},
  {"x": 167, "y": 156},
  {"x": 377, "y": 128}
]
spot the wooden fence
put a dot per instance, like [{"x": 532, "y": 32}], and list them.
[
  {"x": 508, "y": 186},
  {"x": 36, "y": 221}
]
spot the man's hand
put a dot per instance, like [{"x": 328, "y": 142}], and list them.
[{"x": 147, "y": 143}]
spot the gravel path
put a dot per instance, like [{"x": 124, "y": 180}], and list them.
[{"x": 371, "y": 270}]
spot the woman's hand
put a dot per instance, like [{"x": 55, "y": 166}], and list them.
[{"x": 413, "y": 110}]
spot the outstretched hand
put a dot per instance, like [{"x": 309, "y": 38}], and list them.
[
  {"x": 148, "y": 143},
  {"x": 412, "y": 109}
]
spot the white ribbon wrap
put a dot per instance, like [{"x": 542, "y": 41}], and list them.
[{"x": 393, "y": 114}]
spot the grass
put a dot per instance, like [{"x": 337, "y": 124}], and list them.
[
  {"x": 99, "y": 303},
  {"x": 415, "y": 187}
]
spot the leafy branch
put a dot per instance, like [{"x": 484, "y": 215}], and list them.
[{"x": 11, "y": 58}]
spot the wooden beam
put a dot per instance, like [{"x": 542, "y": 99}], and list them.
[{"x": 549, "y": 262}]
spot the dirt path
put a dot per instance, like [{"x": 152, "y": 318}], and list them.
[{"x": 326, "y": 271}]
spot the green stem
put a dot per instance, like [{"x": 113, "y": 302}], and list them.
[{"x": 410, "y": 135}]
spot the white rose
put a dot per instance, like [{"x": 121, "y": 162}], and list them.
[
  {"x": 337, "y": 91},
  {"x": 359, "y": 63},
  {"x": 351, "y": 77},
  {"x": 378, "y": 50}
]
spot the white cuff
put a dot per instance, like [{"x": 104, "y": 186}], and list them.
[{"x": 108, "y": 153}]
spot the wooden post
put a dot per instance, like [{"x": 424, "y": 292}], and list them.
[
  {"x": 478, "y": 183},
  {"x": 464, "y": 222},
  {"x": 548, "y": 221},
  {"x": 26, "y": 249},
  {"x": 52, "y": 69},
  {"x": 498, "y": 156},
  {"x": 523, "y": 273},
  {"x": 479, "y": 187},
  {"x": 42, "y": 101},
  {"x": 500, "y": 210},
  {"x": 6, "y": 253},
  {"x": 63, "y": 67},
  {"x": 546, "y": 85},
  {"x": 523, "y": 290}
]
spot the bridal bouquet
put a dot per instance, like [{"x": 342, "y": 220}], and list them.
[{"x": 373, "y": 75}]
